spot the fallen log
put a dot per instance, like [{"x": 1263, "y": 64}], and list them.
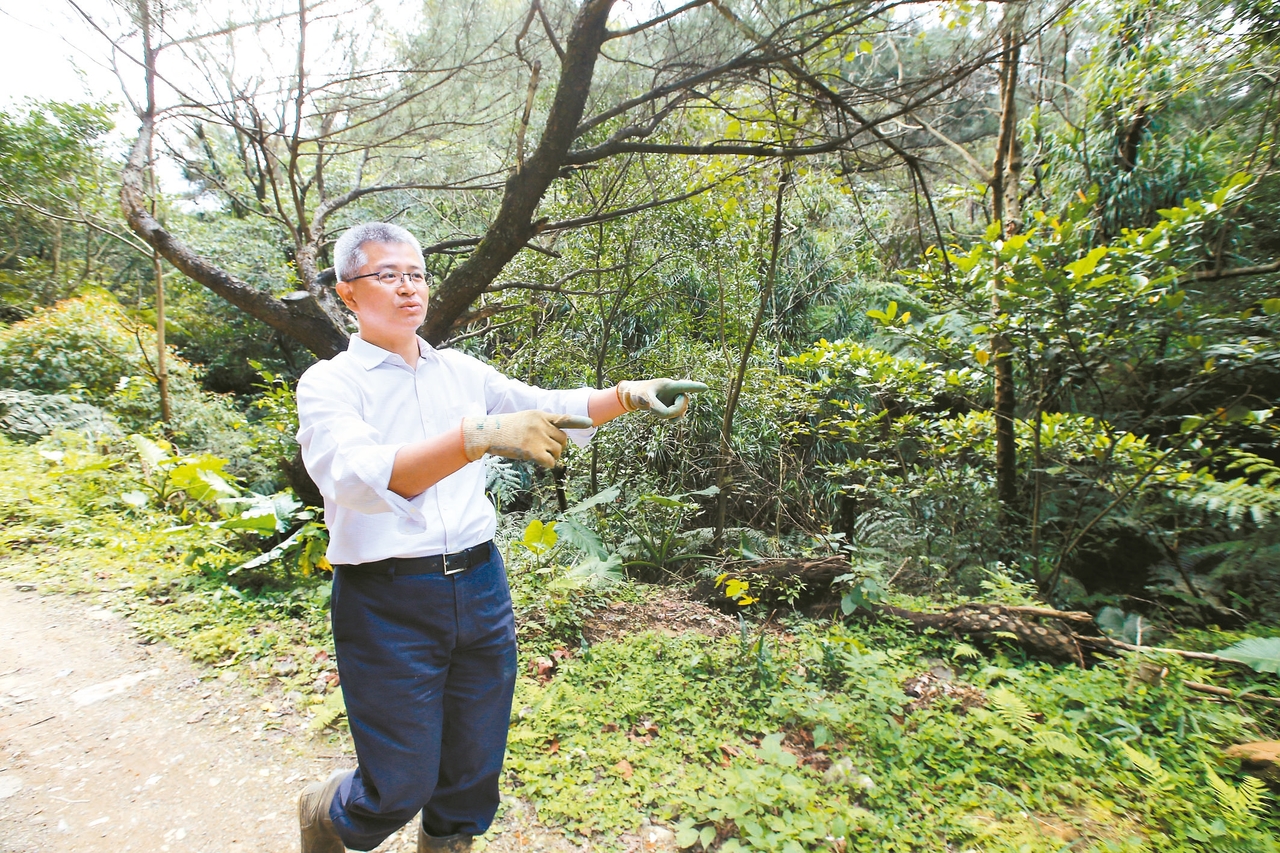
[
  {"x": 1107, "y": 643},
  {"x": 988, "y": 622},
  {"x": 1040, "y": 631},
  {"x": 1233, "y": 695}
]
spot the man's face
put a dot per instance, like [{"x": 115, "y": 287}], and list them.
[{"x": 387, "y": 309}]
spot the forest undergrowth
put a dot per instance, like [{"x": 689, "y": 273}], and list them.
[{"x": 788, "y": 735}]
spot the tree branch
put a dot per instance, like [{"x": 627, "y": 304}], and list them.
[
  {"x": 1236, "y": 272},
  {"x": 653, "y": 22},
  {"x": 324, "y": 334},
  {"x": 513, "y": 226}
]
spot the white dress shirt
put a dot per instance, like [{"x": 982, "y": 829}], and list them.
[{"x": 356, "y": 410}]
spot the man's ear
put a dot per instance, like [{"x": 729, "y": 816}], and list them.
[{"x": 347, "y": 294}]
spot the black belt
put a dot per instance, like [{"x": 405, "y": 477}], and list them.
[{"x": 449, "y": 564}]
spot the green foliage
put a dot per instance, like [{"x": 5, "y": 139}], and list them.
[
  {"x": 89, "y": 349},
  {"x": 53, "y": 176},
  {"x": 84, "y": 345},
  {"x": 650, "y": 542},
  {"x": 1132, "y": 628},
  {"x": 172, "y": 480},
  {"x": 1261, "y": 653},
  {"x": 554, "y": 598},
  {"x": 684, "y": 729},
  {"x": 68, "y": 530},
  {"x": 28, "y": 416},
  {"x": 333, "y": 708},
  {"x": 762, "y": 741}
]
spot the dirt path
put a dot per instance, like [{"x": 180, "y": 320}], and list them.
[{"x": 107, "y": 744}]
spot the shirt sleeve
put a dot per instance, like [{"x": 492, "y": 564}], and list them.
[
  {"x": 503, "y": 394},
  {"x": 345, "y": 456}
]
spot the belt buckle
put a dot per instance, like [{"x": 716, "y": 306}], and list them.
[{"x": 460, "y": 560}]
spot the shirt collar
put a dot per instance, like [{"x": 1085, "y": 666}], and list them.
[{"x": 369, "y": 355}]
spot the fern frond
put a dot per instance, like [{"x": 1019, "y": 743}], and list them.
[
  {"x": 1149, "y": 767},
  {"x": 1255, "y": 496},
  {"x": 1255, "y": 794},
  {"x": 1064, "y": 745},
  {"x": 1010, "y": 708},
  {"x": 999, "y": 736},
  {"x": 333, "y": 707},
  {"x": 1242, "y": 804},
  {"x": 964, "y": 650}
]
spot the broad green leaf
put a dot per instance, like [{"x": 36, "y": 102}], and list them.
[
  {"x": 669, "y": 501},
  {"x": 1271, "y": 306},
  {"x": 601, "y": 569},
  {"x": 1260, "y": 653},
  {"x": 1017, "y": 241},
  {"x": 274, "y": 554},
  {"x": 1086, "y": 265},
  {"x": 538, "y": 537},
  {"x": 607, "y": 496},
  {"x": 251, "y": 519},
  {"x": 771, "y": 751},
  {"x": 151, "y": 452},
  {"x": 201, "y": 478},
  {"x": 1111, "y": 620},
  {"x": 582, "y": 537},
  {"x": 1191, "y": 424}
]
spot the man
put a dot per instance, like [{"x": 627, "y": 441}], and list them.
[{"x": 391, "y": 431}]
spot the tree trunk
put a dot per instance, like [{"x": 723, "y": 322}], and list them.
[
  {"x": 723, "y": 480},
  {"x": 1041, "y": 631},
  {"x": 1006, "y": 210},
  {"x": 162, "y": 363},
  {"x": 318, "y": 330}
]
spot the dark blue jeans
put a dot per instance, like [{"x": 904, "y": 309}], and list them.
[{"x": 428, "y": 666}]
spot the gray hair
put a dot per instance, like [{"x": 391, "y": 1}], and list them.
[{"x": 348, "y": 256}]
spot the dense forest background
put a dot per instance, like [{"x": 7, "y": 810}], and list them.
[{"x": 986, "y": 295}]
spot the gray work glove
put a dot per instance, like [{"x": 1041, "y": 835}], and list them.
[
  {"x": 530, "y": 435},
  {"x": 666, "y": 398}
]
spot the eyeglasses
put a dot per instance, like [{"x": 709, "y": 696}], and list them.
[{"x": 391, "y": 278}]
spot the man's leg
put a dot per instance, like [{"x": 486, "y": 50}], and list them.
[
  {"x": 394, "y": 638},
  {"x": 477, "y": 705}
]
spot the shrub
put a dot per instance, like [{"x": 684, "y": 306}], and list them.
[
  {"x": 81, "y": 345},
  {"x": 88, "y": 350},
  {"x": 28, "y": 416}
]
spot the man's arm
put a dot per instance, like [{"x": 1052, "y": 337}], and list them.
[
  {"x": 421, "y": 465},
  {"x": 605, "y": 405},
  {"x": 666, "y": 398},
  {"x": 532, "y": 435}
]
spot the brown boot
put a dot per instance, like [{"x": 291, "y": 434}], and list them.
[
  {"x": 318, "y": 834},
  {"x": 442, "y": 844}
]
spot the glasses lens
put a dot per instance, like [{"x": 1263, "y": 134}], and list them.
[{"x": 418, "y": 278}]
